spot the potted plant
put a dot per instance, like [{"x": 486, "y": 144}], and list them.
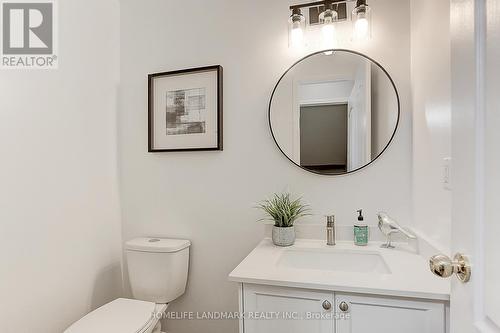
[{"x": 283, "y": 211}]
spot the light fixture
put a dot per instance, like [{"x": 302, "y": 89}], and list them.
[
  {"x": 329, "y": 34},
  {"x": 324, "y": 17},
  {"x": 297, "y": 24},
  {"x": 361, "y": 18}
]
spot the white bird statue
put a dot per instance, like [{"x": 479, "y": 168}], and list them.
[{"x": 389, "y": 226}]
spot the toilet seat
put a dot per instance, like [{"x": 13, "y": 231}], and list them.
[{"x": 120, "y": 316}]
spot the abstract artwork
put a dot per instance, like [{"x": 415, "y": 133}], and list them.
[{"x": 185, "y": 110}]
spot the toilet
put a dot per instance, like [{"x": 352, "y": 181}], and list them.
[{"x": 158, "y": 270}]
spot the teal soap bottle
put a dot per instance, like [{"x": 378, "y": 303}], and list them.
[{"x": 360, "y": 230}]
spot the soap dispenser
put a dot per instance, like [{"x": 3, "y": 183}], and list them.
[
  {"x": 330, "y": 230},
  {"x": 360, "y": 230}
]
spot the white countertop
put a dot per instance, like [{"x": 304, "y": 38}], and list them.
[{"x": 410, "y": 275}]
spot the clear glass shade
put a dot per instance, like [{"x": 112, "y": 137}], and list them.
[
  {"x": 362, "y": 23},
  {"x": 328, "y": 30},
  {"x": 296, "y": 28}
]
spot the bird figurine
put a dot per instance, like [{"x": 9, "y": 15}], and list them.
[{"x": 389, "y": 226}]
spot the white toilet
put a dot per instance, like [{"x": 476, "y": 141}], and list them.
[{"x": 158, "y": 271}]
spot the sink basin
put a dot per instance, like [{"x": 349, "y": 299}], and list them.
[{"x": 334, "y": 260}]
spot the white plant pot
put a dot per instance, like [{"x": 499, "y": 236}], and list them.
[{"x": 283, "y": 236}]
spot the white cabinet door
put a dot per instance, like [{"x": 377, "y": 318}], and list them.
[
  {"x": 270, "y": 309},
  {"x": 388, "y": 315}
]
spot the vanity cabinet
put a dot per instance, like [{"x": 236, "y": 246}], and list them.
[
  {"x": 272, "y": 309},
  {"x": 283, "y": 306},
  {"x": 388, "y": 315}
]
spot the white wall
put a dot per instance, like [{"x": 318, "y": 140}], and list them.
[
  {"x": 430, "y": 46},
  {"x": 208, "y": 197},
  {"x": 59, "y": 218},
  {"x": 382, "y": 105}
]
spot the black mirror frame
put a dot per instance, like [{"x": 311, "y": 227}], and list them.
[{"x": 336, "y": 50}]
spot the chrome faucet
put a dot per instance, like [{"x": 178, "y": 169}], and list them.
[
  {"x": 389, "y": 226},
  {"x": 330, "y": 230}
]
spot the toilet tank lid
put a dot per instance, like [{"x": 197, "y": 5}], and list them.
[{"x": 152, "y": 244}]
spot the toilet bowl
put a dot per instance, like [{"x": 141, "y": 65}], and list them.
[{"x": 158, "y": 269}]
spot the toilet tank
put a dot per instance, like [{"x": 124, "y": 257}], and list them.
[{"x": 157, "y": 268}]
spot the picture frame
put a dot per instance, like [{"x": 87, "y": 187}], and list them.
[{"x": 185, "y": 110}]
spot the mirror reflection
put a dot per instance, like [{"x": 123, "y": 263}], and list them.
[{"x": 334, "y": 112}]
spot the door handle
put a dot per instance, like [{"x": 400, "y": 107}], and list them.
[{"x": 444, "y": 267}]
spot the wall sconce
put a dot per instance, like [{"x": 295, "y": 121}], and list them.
[{"x": 327, "y": 14}]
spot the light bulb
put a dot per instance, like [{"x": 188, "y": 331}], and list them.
[
  {"x": 297, "y": 37},
  {"x": 329, "y": 35},
  {"x": 361, "y": 28},
  {"x": 328, "y": 31}
]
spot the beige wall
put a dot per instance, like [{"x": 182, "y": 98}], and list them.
[{"x": 60, "y": 230}]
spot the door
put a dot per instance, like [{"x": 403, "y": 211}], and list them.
[
  {"x": 362, "y": 314},
  {"x": 359, "y": 120},
  {"x": 475, "y": 38},
  {"x": 270, "y": 309},
  {"x": 323, "y": 137}
]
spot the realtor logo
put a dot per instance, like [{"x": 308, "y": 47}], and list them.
[{"x": 28, "y": 34}]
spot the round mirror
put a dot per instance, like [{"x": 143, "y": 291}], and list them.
[{"x": 334, "y": 112}]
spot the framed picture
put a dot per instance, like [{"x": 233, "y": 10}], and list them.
[{"x": 185, "y": 110}]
